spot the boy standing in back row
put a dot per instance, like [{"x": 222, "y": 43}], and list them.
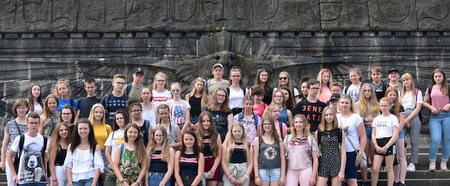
[
  {"x": 379, "y": 87},
  {"x": 115, "y": 100},
  {"x": 85, "y": 103},
  {"x": 218, "y": 81},
  {"x": 134, "y": 89}
]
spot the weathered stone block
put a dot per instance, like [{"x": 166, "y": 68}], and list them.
[
  {"x": 393, "y": 15},
  {"x": 433, "y": 15},
  {"x": 344, "y": 15}
]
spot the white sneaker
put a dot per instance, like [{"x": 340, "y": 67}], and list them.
[{"x": 411, "y": 168}]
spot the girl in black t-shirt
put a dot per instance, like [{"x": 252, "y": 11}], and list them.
[
  {"x": 190, "y": 160},
  {"x": 197, "y": 98},
  {"x": 57, "y": 153},
  {"x": 237, "y": 162}
]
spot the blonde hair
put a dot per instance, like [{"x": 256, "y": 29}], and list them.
[
  {"x": 204, "y": 94},
  {"x": 352, "y": 108},
  {"x": 396, "y": 101},
  {"x": 412, "y": 87},
  {"x": 166, "y": 85},
  {"x": 356, "y": 69},
  {"x": 165, "y": 151},
  {"x": 306, "y": 131},
  {"x": 319, "y": 78},
  {"x": 232, "y": 141},
  {"x": 322, "y": 125},
  {"x": 91, "y": 114},
  {"x": 62, "y": 81},
  {"x": 269, "y": 109},
  {"x": 374, "y": 109},
  {"x": 175, "y": 84},
  {"x": 289, "y": 80}
]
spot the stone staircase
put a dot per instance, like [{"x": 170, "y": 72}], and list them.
[{"x": 421, "y": 177}]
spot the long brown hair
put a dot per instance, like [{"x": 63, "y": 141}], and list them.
[
  {"x": 237, "y": 69},
  {"x": 76, "y": 139},
  {"x": 55, "y": 138},
  {"x": 30, "y": 97},
  {"x": 444, "y": 86},
  {"x": 196, "y": 149},
  {"x": 224, "y": 106},
  {"x": 267, "y": 86},
  {"x": 138, "y": 143},
  {"x": 274, "y": 134},
  {"x": 212, "y": 134}
]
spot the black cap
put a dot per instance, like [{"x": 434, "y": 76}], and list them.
[
  {"x": 393, "y": 70},
  {"x": 138, "y": 70},
  {"x": 335, "y": 96}
]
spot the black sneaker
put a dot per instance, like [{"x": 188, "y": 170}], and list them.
[{"x": 396, "y": 183}]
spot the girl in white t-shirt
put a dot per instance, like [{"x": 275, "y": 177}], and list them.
[
  {"x": 160, "y": 92},
  {"x": 35, "y": 98},
  {"x": 179, "y": 109},
  {"x": 412, "y": 100},
  {"x": 355, "y": 140},
  {"x": 148, "y": 107},
  {"x": 115, "y": 139},
  {"x": 384, "y": 136},
  {"x": 236, "y": 90}
]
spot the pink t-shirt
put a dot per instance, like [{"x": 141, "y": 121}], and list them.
[
  {"x": 325, "y": 95},
  {"x": 438, "y": 99},
  {"x": 260, "y": 110},
  {"x": 277, "y": 126}
]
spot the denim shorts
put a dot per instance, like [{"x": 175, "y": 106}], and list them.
[
  {"x": 368, "y": 133},
  {"x": 270, "y": 174},
  {"x": 155, "y": 178},
  {"x": 401, "y": 135}
]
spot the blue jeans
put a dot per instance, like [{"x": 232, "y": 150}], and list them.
[
  {"x": 440, "y": 128},
  {"x": 105, "y": 161},
  {"x": 86, "y": 182},
  {"x": 194, "y": 119},
  {"x": 154, "y": 178},
  {"x": 33, "y": 184}
]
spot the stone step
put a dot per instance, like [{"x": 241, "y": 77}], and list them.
[
  {"x": 416, "y": 182},
  {"x": 418, "y": 174}
]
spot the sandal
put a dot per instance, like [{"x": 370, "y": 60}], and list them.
[{"x": 432, "y": 167}]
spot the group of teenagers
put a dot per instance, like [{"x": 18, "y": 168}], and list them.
[{"x": 224, "y": 133}]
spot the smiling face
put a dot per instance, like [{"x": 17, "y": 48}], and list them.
[
  {"x": 220, "y": 96},
  {"x": 406, "y": 82},
  {"x": 132, "y": 133},
  {"x": 329, "y": 116},
  {"x": 52, "y": 104},
  {"x": 345, "y": 104},
  {"x": 263, "y": 76},
  {"x": 438, "y": 78},
  {"x": 63, "y": 131},
  {"x": 299, "y": 123},
  {"x": 159, "y": 137},
  {"x": 392, "y": 96},
  {"x": 188, "y": 140},
  {"x": 83, "y": 130},
  {"x": 163, "y": 114},
  {"x": 237, "y": 132},
  {"x": 66, "y": 115},
  {"x": 267, "y": 126},
  {"x": 393, "y": 76},
  {"x": 354, "y": 77},
  {"x": 99, "y": 113},
  {"x": 325, "y": 77},
  {"x": 120, "y": 120},
  {"x": 176, "y": 90},
  {"x": 336, "y": 90},
  {"x": 367, "y": 92},
  {"x": 304, "y": 88},
  {"x": 285, "y": 94},
  {"x": 278, "y": 98},
  {"x": 283, "y": 79},
  {"x": 22, "y": 110},
  {"x": 275, "y": 113},
  {"x": 235, "y": 76},
  {"x": 206, "y": 122}
]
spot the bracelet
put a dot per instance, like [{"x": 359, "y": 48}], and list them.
[
  {"x": 123, "y": 180},
  {"x": 387, "y": 146},
  {"x": 229, "y": 176},
  {"x": 139, "y": 181},
  {"x": 247, "y": 177},
  {"x": 54, "y": 180},
  {"x": 256, "y": 177}
]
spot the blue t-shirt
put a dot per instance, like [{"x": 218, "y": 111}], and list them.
[
  {"x": 67, "y": 102},
  {"x": 113, "y": 104}
]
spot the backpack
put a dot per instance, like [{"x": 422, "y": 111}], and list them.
[
  {"x": 122, "y": 149},
  {"x": 128, "y": 88},
  {"x": 254, "y": 116},
  {"x": 348, "y": 86},
  {"x": 19, "y": 153}
]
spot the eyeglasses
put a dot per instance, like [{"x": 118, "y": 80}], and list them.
[
  {"x": 283, "y": 78},
  {"x": 175, "y": 90},
  {"x": 220, "y": 95},
  {"x": 136, "y": 111}
]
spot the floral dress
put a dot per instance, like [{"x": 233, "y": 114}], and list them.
[{"x": 129, "y": 167}]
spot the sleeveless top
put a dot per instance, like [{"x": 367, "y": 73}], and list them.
[
  {"x": 60, "y": 156},
  {"x": 269, "y": 155},
  {"x": 189, "y": 165},
  {"x": 157, "y": 164},
  {"x": 284, "y": 117},
  {"x": 196, "y": 105},
  {"x": 50, "y": 123},
  {"x": 238, "y": 153},
  {"x": 207, "y": 147},
  {"x": 129, "y": 167}
]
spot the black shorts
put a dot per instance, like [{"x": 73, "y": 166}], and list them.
[{"x": 381, "y": 143}]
